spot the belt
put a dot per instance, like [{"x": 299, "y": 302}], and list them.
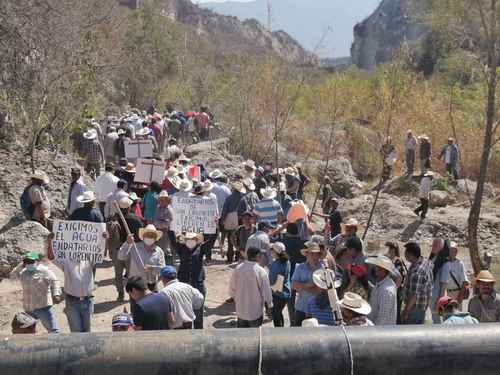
[{"x": 69, "y": 296}]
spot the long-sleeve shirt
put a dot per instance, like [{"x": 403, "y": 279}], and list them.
[
  {"x": 485, "y": 312},
  {"x": 38, "y": 286},
  {"x": 76, "y": 188},
  {"x": 93, "y": 151},
  {"x": 234, "y": 203},
  {"x": 282, "y": 268},
  {"x": 425, "y": 188},
  {"x": 383, "y": 301},
  {"x": 185, "y": 299},
  {"x": 78, "y": 277},
  {"x": 163, "y": 218},
  {"x": 105, "y": 185},
  {"x": 221, "y": 191},
  {"x": 419, "y": 282},
  {"x": 154, "y": 258},
  {"x": 249, "y": 286}
]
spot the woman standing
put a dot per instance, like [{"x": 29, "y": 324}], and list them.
[
  {"x": 150, "y": 202},
  {"x": 279, "y": 278},
  {"x": 393, "y": 254}
]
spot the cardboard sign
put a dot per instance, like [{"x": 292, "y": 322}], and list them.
[
  {"x": 139, "y": 148},
  {"x": 79, "y": 241},
  {"x": 194, "y": 173},
  {"x": 194, "y": 215},
  {"x": 148, "y": 170}
]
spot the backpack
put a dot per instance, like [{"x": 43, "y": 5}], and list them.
[{"x": 26, "y": 204}]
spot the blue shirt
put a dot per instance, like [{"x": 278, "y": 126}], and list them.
[
  {"x": 279, "y": 267},
  {"x": 324, "y": 314},
  {"x": 460, "y": 319},
  {"x": 303, "y": 274},
  {"x": 150, "y": 202},
  {"x": 267, "y": 210},
  {"x": 85, "y": 214},
  {"x": 221, "y": 191}
]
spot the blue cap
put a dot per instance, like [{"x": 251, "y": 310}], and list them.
[
  {"x": 169, "y": 272},
  {"x": 122, "y": 319}
]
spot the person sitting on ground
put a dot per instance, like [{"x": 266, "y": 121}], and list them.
[
  {"x": 355, "y": 310},
  {"x": 448, "y": 309},
  {"x": 23, "y": 323},
  {"x": 151, "y": 311},
  {"x": 485, "y": 305},
  {"x": 122, "y": 322}
]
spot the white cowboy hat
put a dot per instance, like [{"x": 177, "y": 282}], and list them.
[
  {"x": 383, "y": 262},
  {"x": 190, "y": 236},
  {"x": 125, "y": 202},
  {"x": 143, "y": 132},
  {"x": 40, "y": 175},
  {"x": 185, "y": 185},
  {"x": 121, "y": 131},
  {"x": 86, "y": 197},
  {"x": 291, "y": 171},
  {"x": 278, "y": 248},
  {"x": 238, "y": 186},
  {"x": 453, "y": 245},
  {"x": 163, "y": 194},
  {"x": 150, "y": 228},
  {"x": 250, "y": 164},
  {"x": 310, "y": 323},
  {"x": 133, "y": 196},
  {"x": 268, "y": 193},
  {"x": 354, "y": 302},
  {"x": 216, "y": 174},
  {"x": 90, "y": 134},
  {"x": 249, "y": 184},
  {"x": 311, "y": 247},
  {"x": 429, "y": 174},
  {"x": 207, "y": 186}
]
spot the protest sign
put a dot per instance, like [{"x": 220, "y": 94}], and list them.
[
  {"x": 194, "y": 172},
  {"x": 79, "y": 241},
  {"x": 148, "y": 170},
  {"x": 138, "y": 148},
  {"x": 195, "y": 215}
]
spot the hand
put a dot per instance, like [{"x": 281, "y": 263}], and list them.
[
  {"x": 50, "y": 236},
  {"x": 105, "y": 235},
  {"x": 147, "y": 268},
  {"x": 57, "y": 299},
  {"x": 130, "y": 239}
]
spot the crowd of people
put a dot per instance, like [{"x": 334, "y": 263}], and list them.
[{"x": 263, "y": 225}]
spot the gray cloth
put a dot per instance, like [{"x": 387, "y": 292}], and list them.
[
  {"x": 485, "y": 312},
  {"x": 153, "y": 258}
]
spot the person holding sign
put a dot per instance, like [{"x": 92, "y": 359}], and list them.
[{"x": 146, "y": 259}]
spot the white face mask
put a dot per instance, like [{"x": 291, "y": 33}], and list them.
[
  {"x": 191, "y": 244},
  {"x": 149, "y": 241}
]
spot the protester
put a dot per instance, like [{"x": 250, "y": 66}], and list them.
[
  {"x": 261, "y": 240},
  {"x": 326, "y": 193},
  {"x": 388, "y": 152},
  {"x": 105, "y": 184},
  {"x": 251, "y": 198},
  {"x": 383, "y": 298},
  {"x": 425, "y": 153},
  {"x": 485, "y": 305},
  {"x": 393, "y": 254},
  {"x": 349, "y": 237},
  {"x": 279, "y": 278},
  {"x": 202, "y": 121},
  {"x": 457, "y": 283},
  {"x": 222, "y": 192},
  {"x": 449, "y": 155},
  {"x": 94, "y": 154},
  {"x": 304, "y": 181},
  {"x": 418, "y": 285},
  {"x": 302, "y": 280},
  {"x": 410, "y": 143},
  {"x": 120, "y": 143},
  {"x": 35, "y": 202},
  {"x": 451, "y": 314},
  {"x": 110, "y": 144},
  {"x": 355, "y": 310},
  {"x": 87, "y": 212},
  {"x": 334, "y": 217},
  {"x": 243, "y": 233},
  {"x": 122, "y": 322},
  {"x": 185, "y": 298},
  {"x": 439, "y": 256},
  {"x": 146, "y": 259},
  {"x": 23, "y": 323},
  {"x": 110, "y": 208},
  {"x": 319, "y": 308},
  {"x": 207, "y": 194},
  {"x": 424, "y": 194},
  {"x": 268, "y": 209},
  {"x": 250, "y": 289},
  {"x": 357, "y": 278},
  {"x": 76, "y": 188},
  {"x": 234, "y": 207},
  {"x": 150, "y": 202},
  {"x": 151, "y": 311},
  {"x": 41, "y": 290},
  {"x": 162, "y": 220}
]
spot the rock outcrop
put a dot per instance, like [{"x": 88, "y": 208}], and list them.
[{"x": 380, "y": 35}]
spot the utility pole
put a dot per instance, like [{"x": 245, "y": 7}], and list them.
[{"x": 269, "y": 16}]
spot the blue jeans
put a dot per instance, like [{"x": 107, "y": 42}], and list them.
[
  {"x": 47, "y": 317},
  {"x": 79, "y": 313},
  {"x": 416, "y": 316}
]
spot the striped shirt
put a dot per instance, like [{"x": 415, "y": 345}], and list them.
[
  {"x": 324, "y": 314},
  {"x": 267, "y": 210}
]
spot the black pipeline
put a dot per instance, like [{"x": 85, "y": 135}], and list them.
[{"x": 408, "y": 350}]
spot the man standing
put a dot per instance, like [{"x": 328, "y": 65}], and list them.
[
  {"x": 425, "y": 153},
  {"x": 76, "y": 188},
  {"x": 243, "y": 233},
  {"x": 105, "y": 185},
  {"x": 110, "y": 144},
  {"x": 40, "y": 290},
  {"x": 250, "y": 289},
  {"x": 222, "y": 192},
  {"x": 453, "y": 273},
  {"x": 418, "y": 285},
  {"x": 38, "y": 201},
  {"x": 326, "y": 193},
  {"x": 260, "y": 240},
  {"x": 151, "y": 311},
  {"x": 94, "y": 154},
  {"x": 162, "y": 220},
  {"x": 185, "y": 299},
  {"x": 268, "y": 209},
  {"x": 304, "y": 181},
  {"x": 233, "y": 208},
  {"x": 485, "y": 306},
  {"x": 449, "y": 155},
  {"x": 410, "y": 151},
  {"x": 424, "y": 195},
  {"x": 87, "y": 212},
  {"x": 119, "y": 193},
  {"x": 383, "y": 298}
]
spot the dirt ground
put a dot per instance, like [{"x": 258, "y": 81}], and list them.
[{"x": 218, "y": 314}]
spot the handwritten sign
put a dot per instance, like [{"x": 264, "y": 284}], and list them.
[
  {"x": 194, "y": 215},
  {"x": 139, "y": 148},
  {"x": 79, "y": 241},
  {"x": 148, "y": 170}
]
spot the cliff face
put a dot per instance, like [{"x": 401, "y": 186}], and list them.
[{"x": 380, "y": 35}]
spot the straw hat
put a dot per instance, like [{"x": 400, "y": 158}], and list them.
[
  {"x": 249, "y": 164},
  {"x": 383, "y": 262},
  {"x": 130, "y": 168},
  {"x": 311, "y": 247},
  {"x": 485, "y": 276},
  {"x": 163, "y": 194},
  {"x": 150, "y": 228},
  {"x": 207, "y": 186},
  {"x": 125, "y": 202},
  {"x": 185, "y": 185},
  {"x": 90, "y": 134},
  {"x": 190, "y": 236},
  {"x": 291, "y": 171},
  {"x": 268, "y": 192},
  {"x": 352, "y": 222},
  {"x": 216, "y": 174},
  {"x": 354, "y": 302},
  {"x": 143, "y": 132},
  {"x": 238, "y": 186},
  {"x": 249, "y": 184},
  {"x": 133, "y": 196},
  {"x": 86, "y": 197},
  {"x": 278, "y": 247},
  {"x": 40, "y": 175},
  {"x": 429, "y": 174}
]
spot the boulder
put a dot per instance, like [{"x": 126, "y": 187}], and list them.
[
  {"x": 465, "y": 186},
  {"x": 15, "y": 240},
  {"x": 441, "y": 198},
  {"x": 344, "y": 181}
]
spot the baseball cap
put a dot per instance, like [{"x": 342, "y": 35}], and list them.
[
  {"x": 32, "y": 255},
  {"x": 168, "y": 272},
  {"x": 445, "y": 301},
  {"x": 23, "y": 320},
  {"x": 122, "y": 319}
]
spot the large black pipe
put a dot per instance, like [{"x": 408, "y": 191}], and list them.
[{"x": 408, "y": 350}]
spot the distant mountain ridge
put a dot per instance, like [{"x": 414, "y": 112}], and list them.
[{"x": 322, "y": 26}]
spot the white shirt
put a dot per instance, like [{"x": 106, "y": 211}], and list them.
[
  {"x": 138, "y": 257},
  {"x": 425, "y": 188},
  {"x": 78, "y": 189},
  {"x": 104, "y": 185},
  {"x": 249, "y": 286},
  {"x": 457, "y": 268},
  {"x": 383, "y": 301},
  {"x": 185, "y": 299},
  {"x": 411, "y": 143},
  {"x": 109, "y": 208},
  {"x": 78, "y": 277}
]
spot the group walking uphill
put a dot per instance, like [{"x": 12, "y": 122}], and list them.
[{"x": 156, "y": 217}]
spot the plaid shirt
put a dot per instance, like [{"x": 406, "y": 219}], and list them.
[
  {"x": 38, "y": 286},
  {"x": 419, "y": 282},
  {"x": 383, "y": 303},
  {"x": 93, "y": 151}
]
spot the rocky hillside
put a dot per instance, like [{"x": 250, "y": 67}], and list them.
[{"x": 378, "y": 36}]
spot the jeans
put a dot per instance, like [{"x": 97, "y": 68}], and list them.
[
  {"x": 47, "y": 316},
  {"x": 241, "y": 323},
  {"x": 416, "y": 316},
  {"x": 299, "y": 318},
  {"x": 198, "y": 322},
  {"x": 79, "y": 313},
  {"x": 410, "y": 162},
  {"x": 119, "y": 266},
  {"x": 279, "y": 304},
  {"x": 452, "y": 171}
]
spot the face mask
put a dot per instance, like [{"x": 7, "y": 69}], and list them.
[
  {"x": 149, "y": 241},
  {"x": 191, "y": 244},
  {"x": 31, "y": 267}
]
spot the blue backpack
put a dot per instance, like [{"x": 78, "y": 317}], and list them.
[{"x": 26, "y": 204}]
